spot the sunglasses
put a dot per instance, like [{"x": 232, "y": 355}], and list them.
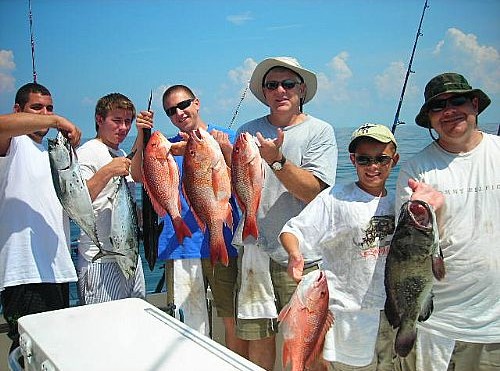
[
  {"x": 287, "y": 84},
  {"x": 364, "y": 160},
  {"x": 181, "y": 105},
  {"x": 440, "y": 104}
]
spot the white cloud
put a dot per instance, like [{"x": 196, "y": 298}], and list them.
[
  {"x": 337, "y": 87},
  {"x": 239, "y": 19},
  {"x": 480, "y": 64},
  {"x": 339, "y": 66},
  {"x": 242, "y": 74},
  {"x": 390, "y": 82},
  {"x": 7, "y": 65}
]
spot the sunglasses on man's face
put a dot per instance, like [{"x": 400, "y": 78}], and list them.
[
  {"x": 181, "y": 105},
  {"x": 364, "y": 160},
  {"x": 440, "y": 104},
  {"x": 286, "y": 84}
]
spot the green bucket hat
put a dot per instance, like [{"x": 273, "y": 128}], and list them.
[{"x": 448, "y": 83}]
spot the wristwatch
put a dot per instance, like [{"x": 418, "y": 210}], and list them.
[{"x": 278, "y": 165}]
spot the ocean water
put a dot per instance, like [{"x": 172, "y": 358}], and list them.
[{"x": 411, "y": 139}]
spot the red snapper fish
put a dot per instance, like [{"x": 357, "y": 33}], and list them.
[
  {"x": 207, "y": 187},
  {"x": 247, "y": 177},
  {"x": 305, "y": 320},
  {"x": 161, "y": 181}
]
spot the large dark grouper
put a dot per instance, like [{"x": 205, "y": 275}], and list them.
[
  {"x": 72, "y": 190},
  {"x": 413, "y": 259}
]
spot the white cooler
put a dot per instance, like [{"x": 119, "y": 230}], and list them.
[{"x": 128, "y": 334}]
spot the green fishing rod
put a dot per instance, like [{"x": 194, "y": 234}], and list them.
[{"x": 408, "y": 71}]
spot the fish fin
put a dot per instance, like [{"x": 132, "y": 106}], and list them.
[
  {"x": 286, "y": 356},
  {"x": 218, "y": 252},
  {"x": 316, "y": 352},
  {"x": 405, "y": 338},
  {"x": 284, "y": 311},
  {"x": 391, "y": 313},
  {"x": 229, "y": 216},
  {"x": 438, "y": 268},
  {"x": 200, "y": 222},
  {"x": 103, "y": 252},
  {"x": 156, "y": 205},
  {"x": 427, "y": 308},
  {"x": 250, "y": 227},
  {"x": 239, "y": 201},
  {"x": 181, "y": 229}
]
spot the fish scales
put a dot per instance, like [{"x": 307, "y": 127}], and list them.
[
  {"x": 413, "y": 261},
  {"x": 124, "y": 233},
  {"x": 161, "y": 181},
  {"x": 207, "y": 187},
  {"x": 247, "y": 178},
  {"x": 71, "y": 189},
  {"x": 304, "y": 321}
]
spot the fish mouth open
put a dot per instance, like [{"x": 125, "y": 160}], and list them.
[
  {"x": 420, "y": 214},
  {"x": 196, "y": 135}
]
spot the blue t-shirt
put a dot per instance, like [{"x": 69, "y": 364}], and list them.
[{"x": 196, "y": 246}]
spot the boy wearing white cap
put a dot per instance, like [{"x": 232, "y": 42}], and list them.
[
  {"x": 351, "y": 226},
  {"x": 302, "y": 159}
]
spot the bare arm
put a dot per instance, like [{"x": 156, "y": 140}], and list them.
[
  {"x": 21, "y": 123},
  {"x": 295, "y": 259},
  {"x": 144, "y": 121},
  {"x": 117, "y": 166},
  {"x": 301, "y": 183}
]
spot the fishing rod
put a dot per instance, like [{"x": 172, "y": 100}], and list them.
[
  {"x": 32, "y": 41},
  {"x": 238, "y": 106},
  {"x": 150, "y": 227},
  {"x": 408, "y": 71}
]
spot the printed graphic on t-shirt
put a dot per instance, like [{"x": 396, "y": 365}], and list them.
[{"x": 375, "y": 242}]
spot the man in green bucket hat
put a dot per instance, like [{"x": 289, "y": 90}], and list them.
[{"x": 461, "y": 166}]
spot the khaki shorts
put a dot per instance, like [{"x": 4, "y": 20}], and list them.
[
  {"x": 222, "y": 281},
  {"x": 284, "y": 287}
]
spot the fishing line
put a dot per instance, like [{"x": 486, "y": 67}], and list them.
[
  {"x": 236, "y": 111},
  {"x": 408, "y": 71},
  {"x": 32, "y": 42}
]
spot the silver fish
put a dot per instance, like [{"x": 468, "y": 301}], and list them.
[
  {"x": 413, "y": 260},
  {"x": 72, "y": 190},
  {"x": 124, "y": 235}
]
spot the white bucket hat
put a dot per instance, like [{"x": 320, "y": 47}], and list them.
[{"x": 263, "y": 67}]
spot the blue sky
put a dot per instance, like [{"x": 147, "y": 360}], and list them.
[{"x": 359, "y": 49}]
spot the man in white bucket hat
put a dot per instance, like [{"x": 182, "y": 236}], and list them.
[{"x": 301, "y": 154}]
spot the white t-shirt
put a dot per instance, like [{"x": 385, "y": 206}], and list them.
[
  {"x": 92, "y": 156},
  {"x": 467, "y": 300},
  {"x": 352, "y": 230},
  {"x": 34, "y": 230},
  {"x": 310, "y": 145}
]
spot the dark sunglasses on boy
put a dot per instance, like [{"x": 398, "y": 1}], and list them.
[
  {"x": 438, "y": 105},
  {"x": 364, "y": 160},
  {"x": 286, "y": 84},
  {"x": 181, "y": 105}
]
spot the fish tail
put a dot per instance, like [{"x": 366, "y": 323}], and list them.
[
  {"x": 181, "y": 229},
  {"x": 103, "y": 252},
  {"x": 250, "y": 227},
  {"x": 218, "y": 252},
  {"x": 405, "y": 339}
]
